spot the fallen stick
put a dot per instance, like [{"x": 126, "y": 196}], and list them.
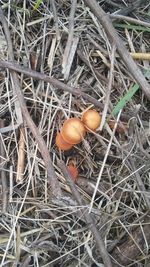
[
  {"x": 3, "y": 177},
  {"x": 41, "y": 76}
]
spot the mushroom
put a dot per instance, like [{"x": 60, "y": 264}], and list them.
[
  {"x": 61, "y": 143},
  {"x": 73, "y": 131},
  {"x": 91, "y": 119},
  {"x": 73, "y": 171}
]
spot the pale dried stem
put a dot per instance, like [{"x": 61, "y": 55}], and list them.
[{"x": 21, "y": 156}]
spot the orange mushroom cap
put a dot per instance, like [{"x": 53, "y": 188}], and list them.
[
  {"x": 61, "y": 143},
  {"x": 91, "y": 119},
  {"x": 73, "y": 131},
  {"x": 73, "y": 172}
]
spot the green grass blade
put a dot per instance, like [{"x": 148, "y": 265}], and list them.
[
  {"x": 131, "y": 27},
  {"x": 37, "y": 4},
  {"x": 127, "y": 97}
]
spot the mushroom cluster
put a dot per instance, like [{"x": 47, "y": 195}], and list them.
[{"x": 73, "y": 130}]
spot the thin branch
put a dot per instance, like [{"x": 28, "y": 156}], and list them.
[
  {"x": 55, "y": 19},
  {"x": 3, "y": 178},
  {"x": 115, "y": 39},
  {"x": 88, "y": 218},
  {"x": 103, "y": 164},
  {"x": 52, "y": 178},
  {"x": 40, "y": 76},
  {"x": 109, "y": 88},
  {"x": 65, "y": 60},
  {"x": 129, "y": 19}
]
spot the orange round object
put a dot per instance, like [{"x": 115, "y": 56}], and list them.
[
  {"x": 91, "y": 119},
  {"x": 73, "y": 171},
  {"x": 73, "y": 131},
  {"x": 60, "y": 143}
]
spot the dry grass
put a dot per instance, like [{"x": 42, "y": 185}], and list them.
[{"x": 113, "y": 167}]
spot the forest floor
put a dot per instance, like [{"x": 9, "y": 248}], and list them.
[{"x": 58, "y": 59}]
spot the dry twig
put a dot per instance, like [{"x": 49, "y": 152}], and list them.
[
  {"x": 21, "y": 156},
  {"x": 66, "y": 59},
  {"x": 3, "y": 177},
  {"x": 107, "y": 99},
  {"x": 129, "y": 19},
  {"x": 51, "y": 80}
]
